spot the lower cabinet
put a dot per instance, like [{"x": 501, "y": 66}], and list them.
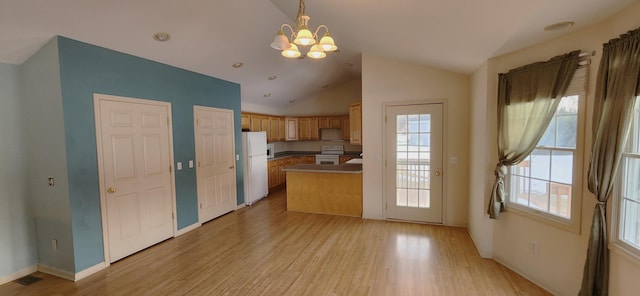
[{"x": 277, "y": 176}]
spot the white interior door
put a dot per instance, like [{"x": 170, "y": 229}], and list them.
[
  {"x": 215, "y": 156},
  {"x": 133, "y": 139},
  {"x": 414, "y": 162}
]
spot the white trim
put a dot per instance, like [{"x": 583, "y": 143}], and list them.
[
  {"x": 187, "y": 229},
  {"x": 524, "y": 275},
  {"x": 18, "y": 274},
  {"x": 240, "y": 206},
  {"x": 97, "y": 97},
  {"x": 484, "y": 253},
  {"x": 623, "y": 251},
  {"x": 445, "y": 163},
  {"x": 91, "y": 270},
  {"x": 56, "y": 272}
]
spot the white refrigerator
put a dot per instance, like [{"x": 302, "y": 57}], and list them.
[{"x": 254, "y": 164}]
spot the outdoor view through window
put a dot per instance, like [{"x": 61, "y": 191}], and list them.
[
  {"x": 543, "y": 180},
  {"x": 630, "y": 179}
]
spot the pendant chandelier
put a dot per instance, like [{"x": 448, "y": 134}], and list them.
[{"x": 301, "y": 35}]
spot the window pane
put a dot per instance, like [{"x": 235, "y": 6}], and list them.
[
  {"x": 560, "y": 200},
  {"x": 402, "y": 124},
  {"x": 413, "y": 123},
  {"x": 539, "y": 198},
  {"x": 568, "y": 105},
  {"x": 540, "y": 162},
  {"x": 549, "y": 137},
  {"x": 519, "y": 192},
  {"x": 567, "y": 131},
  {"x": 631, "y": 225},
  {"x": 425, "y": 123},
  {"x": 562, "y": 166},
  {"x": 631, "y": 186}
]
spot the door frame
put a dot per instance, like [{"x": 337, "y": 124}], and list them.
[
  {"x": 445, "y": 169},
  {"x": 233, "y": 149},
  {"x": 97, "y": 98}
]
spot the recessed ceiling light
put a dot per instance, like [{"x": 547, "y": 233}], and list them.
[
  {"x": 161, "y": 36},
  {"x": 272, "y": 77},
  {"x": 237, "y": 65},
  {"x": 558, "y": 26},
  {"x": 267, "y": 95}
]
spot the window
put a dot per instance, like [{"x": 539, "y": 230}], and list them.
[
  {"x": 629, "y": 188},
  {"x": 545, "y": 184}
]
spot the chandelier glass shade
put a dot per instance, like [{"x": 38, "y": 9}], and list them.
[{"x": 301, "y": 35}]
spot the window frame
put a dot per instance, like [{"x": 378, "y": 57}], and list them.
[
  {"x": 578, "y": 88},
  {"x": 617, "y": 243}
]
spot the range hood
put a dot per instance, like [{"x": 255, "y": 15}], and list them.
[{"x": 331, "y": 134}]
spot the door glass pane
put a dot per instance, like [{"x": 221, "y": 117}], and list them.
[{"x": 413, "y": 136}]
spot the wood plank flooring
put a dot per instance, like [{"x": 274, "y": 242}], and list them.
[{"x": 265, "y": 250}]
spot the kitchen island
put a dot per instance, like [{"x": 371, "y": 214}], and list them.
[{"x": 325, "y": 189}]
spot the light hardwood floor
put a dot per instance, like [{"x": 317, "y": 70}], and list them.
[{"x": 265, "y": 250}]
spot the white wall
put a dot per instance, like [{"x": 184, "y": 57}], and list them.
[
  {"x": 334, "y": 100},
  {"x": 17, "y": 227},
  {"x": 559, "y": 263},
  {"x": 389, "y": 81},
  {"x": 480, "y": 171}
]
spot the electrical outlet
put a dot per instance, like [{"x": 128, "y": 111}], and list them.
[
  {"x": 533, "y": 247},
  {"x": 51, "y": 181}
]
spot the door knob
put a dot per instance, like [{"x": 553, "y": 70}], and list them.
[
  {"x": 111, "y": 189},
  {"x": 231, "y": 167},
  {"x": 438, "y": 173}
]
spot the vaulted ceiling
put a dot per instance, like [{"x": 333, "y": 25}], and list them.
[{"x": 209, "y": 36}]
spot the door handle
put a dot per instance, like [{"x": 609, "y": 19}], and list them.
[
  {"x": 231, "y": 167},
  {"x": 438, "y": 173},
  {"x": 111, "y": 189}
]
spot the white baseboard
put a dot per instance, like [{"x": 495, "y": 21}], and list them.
[
  {"x": 91, "y": 270},
  {"x": 56, "y": 272},
  {"x": 484, "y": 253},
  {"x": 524, "y": 275},
  {"x": 18, "y": 274},
  {"x": 240, "y": 206},
  {"x": 187, "y": 229}
]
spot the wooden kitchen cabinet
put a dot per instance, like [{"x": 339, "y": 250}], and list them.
[
  {"x": 281, "y": 129},
  {"x": 274, "y": 128},
  {"x": 256, "y": 122},
  {"x": 355, "y": 123},
  {"x": 291, "y": 129},
  {"x": 346, "y": 128},
  {"x": 310, "y": 159},
  {"x": 272, "y": 167},
  {"x": 345, "y": 158},
  {"x": 282, "y": 175},
  {"x": 246, "y": 121},
  {"x": 309, "y": 128},
  {"x": 329, "y": 122},
  {"x": 277, "y": 176}
]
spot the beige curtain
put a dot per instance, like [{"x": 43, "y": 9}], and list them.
[
  {"x": 527, "y": 99},
  {"x": 616, "y": 89}
]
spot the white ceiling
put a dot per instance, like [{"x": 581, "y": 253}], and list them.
[{"x": 208, "y": 36}]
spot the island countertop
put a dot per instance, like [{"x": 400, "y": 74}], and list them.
[{"x": 346, "y": 168}]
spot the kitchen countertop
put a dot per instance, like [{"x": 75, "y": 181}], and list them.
[{"x": 325, "y": 168}]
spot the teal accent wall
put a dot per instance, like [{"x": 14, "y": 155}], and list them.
[
  {"x": 43, "y": 119},
  {"x": 87, "y": 69},
  {"x": 17, "y": 226}
]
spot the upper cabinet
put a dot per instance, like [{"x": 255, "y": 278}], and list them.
[
  {"x": 355, "y": 122},
  {"x": 346, "y": 128},
  {"x": 329, "y": 122},
  {"x": 291, "y": 129},
  {"x": 246, "y": 121},
  {"x": 309, "y": 129}
]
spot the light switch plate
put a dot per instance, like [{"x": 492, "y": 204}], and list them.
[
  {"x": 190, "y": 164},
  {"x": 179, "y": 166}
]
